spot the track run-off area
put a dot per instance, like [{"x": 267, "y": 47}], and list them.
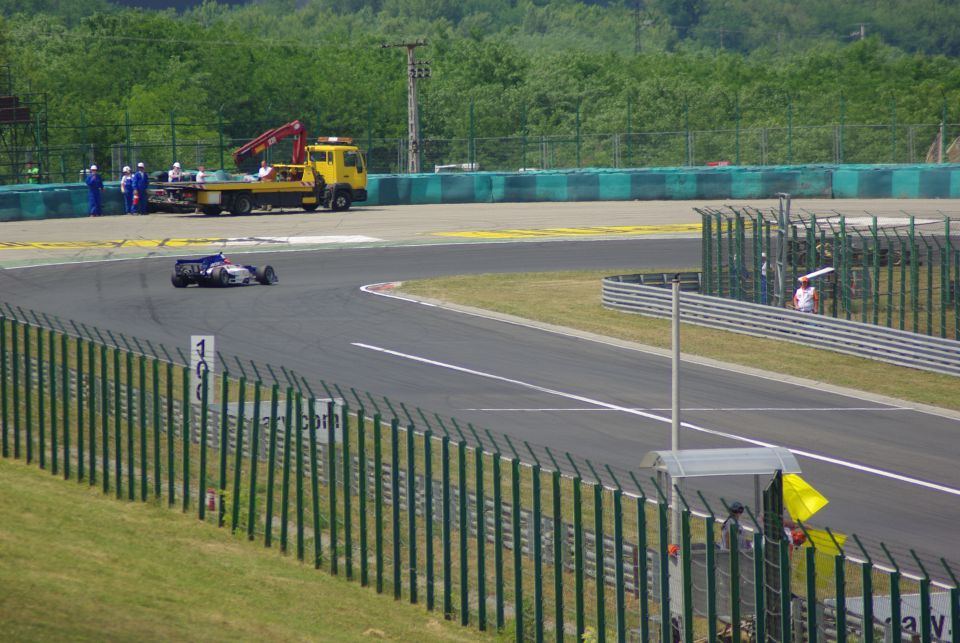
[{"x": 888, "y": 467}]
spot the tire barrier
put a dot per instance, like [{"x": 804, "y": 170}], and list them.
[{"x": 65, "y": 200}]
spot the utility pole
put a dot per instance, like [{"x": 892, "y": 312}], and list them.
[{"x": 415, "y": 69}]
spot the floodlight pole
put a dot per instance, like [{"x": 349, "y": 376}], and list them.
[
  {"x": 415, "y": 69},
  {"x": 675, "y": 401}
]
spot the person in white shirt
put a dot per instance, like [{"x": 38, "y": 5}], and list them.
[
  {"x": 176, "y": 174},
  {"x": 201, "y": 174},
  {"x": 806, "y": 299},
  {"x": 266, "y": 172}
]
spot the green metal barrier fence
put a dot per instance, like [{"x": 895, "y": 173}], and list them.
[
  {"x": 898, "y": 271},
  {"x": 428, "y": 509}
]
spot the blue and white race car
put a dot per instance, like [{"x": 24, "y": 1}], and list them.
[{"x": 218, "y": 271}]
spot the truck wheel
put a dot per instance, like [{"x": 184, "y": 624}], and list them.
[
  {"x": 211, "y": 210},
  {"x": 242, "y": 204},
  {"x": 341, "y": 201},
  {"x": 309, "y": 207}
]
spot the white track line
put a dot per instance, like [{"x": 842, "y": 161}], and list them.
[
  {"x": 660, "y": 418},
  {"x": 772, "y": 409}
]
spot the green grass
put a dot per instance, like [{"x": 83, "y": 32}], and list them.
[
  {"x": 78, "y": 565},
  {"x": 572, "y": 299}
]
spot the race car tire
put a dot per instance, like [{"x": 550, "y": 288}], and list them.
[
  {"x": 212, "y": 210},
  {"x": 178, "y": 281},
  {"x": 220, "y": 277},
  {"x": 341, "y": 201},
  {"x": 266, "y": 275},
  {"x": 242, "y": 204}
]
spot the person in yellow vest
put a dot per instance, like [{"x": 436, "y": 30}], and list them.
[
  {"x": 32, "y": 172},
  {"x": 806, "y": 299}
]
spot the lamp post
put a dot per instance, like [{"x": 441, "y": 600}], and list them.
[{"x": 675, "y": 400}]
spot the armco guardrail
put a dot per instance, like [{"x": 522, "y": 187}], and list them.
[{"x": 624, "y": 292}]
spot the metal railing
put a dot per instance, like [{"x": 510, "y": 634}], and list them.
[{"x": 903, "y": 348}]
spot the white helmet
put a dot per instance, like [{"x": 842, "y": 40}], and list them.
[
  {"x": 177, "y": 164},
  {"x": 140, "y": 164},
  {"x": 93, "y": 167},
  {"x": 126, "y": 168}
]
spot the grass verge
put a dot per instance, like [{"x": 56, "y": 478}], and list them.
[
  {"x": 77, "y": 565},
  {"x": 572, "y": 299}
]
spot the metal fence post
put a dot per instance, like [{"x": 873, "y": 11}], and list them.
[
  {"x": 41, "y": 404},
  {"x": 314, "y": 481},
  {"x": 537, "y": 554},
  {"x": 91, "y": 412},
  {"x": 117, "y": 434},
  {"x": 578, "y": 589},
  {"x": 202, "y": 493},
  {"x": 105, "y": 420},
  {"x": 130, "y": 417},
  {"x": 643, "y": 588},
  {"x": 271, "y": 464},
  {"x": 598, "y": 544},
  {"x": 378, "y": 499},
  {"x": 186, "y": 431},
  {"x": 666, "y": 625},
  {"x": 362, "y": 493},
  {"x": 412, "y": 513},
  {"x": 54, "y": 429},
  {"x": 332, "y": 481},
  {"x": 78, "y": 344},
  {"x": 300, "y": 472},
  {"x": 687, "y": 575},
  {"x": 142, "y": 417},
  {"x": 428, "y": 513},
  {"x": 446, "y": 518},
  {"x": 285, "y": 477},
  {"x": 28, "y": 399},
  {"x": 811, "y": 577},
  {"x": 255, "y": 461},
  {"x": 558, "y": 547},
  {"x": 618, "y": 565},
  {"x": 498, "y": 539},
  {"x": 171, "y": 461},
  {"x": 238, "y": 454},
  {"x": 517, "y": 550},
  {"x": 347, "y": 491},
  {"x": 464, "y": 532},
  {"x": 481, "y": 541},
  {"x": 224, "y": 445},
  {"x": 395, "y": 504},
  {"x": 65, "y": 396},
  {"x": 157, "y": 473},
  {"x": 3, "y": 389}
]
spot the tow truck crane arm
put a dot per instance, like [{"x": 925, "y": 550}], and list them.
[{"x": 272, "y": 137}]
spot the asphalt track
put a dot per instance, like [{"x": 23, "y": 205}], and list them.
[{"x": 889, "y": 470}]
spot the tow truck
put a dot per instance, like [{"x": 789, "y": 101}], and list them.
[{"x": 330, "y": 173}]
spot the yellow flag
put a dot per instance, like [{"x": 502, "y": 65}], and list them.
[{"x": 800, "y": 499}]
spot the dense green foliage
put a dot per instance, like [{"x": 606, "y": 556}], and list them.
[{"x": 525, "y": 64}]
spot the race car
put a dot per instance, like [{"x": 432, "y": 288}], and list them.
[{"x": 218, "y": 271}]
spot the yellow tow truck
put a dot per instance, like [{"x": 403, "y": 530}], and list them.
[{"x": 332, "y": 175}]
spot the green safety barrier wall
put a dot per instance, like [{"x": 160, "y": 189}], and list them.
[
  {"x": 680, "y": 183},
  {"x": 64, "y": 200},
  {"x": 54, "y": 201}
]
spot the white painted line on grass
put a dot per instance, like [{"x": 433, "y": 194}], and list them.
[{"x": 660, "y": 418}]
